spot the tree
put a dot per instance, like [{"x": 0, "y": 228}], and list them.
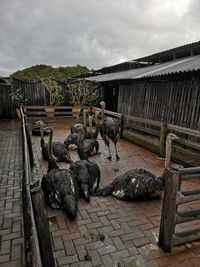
[
  {"x": 84, "y": 93},
  {"x": 55, "y": 91}
]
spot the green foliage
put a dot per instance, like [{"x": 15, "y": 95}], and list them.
[
  {"x": 55, "y": 91},
  {"x": 84, "y": 93},
  {"x": 46, "y": 71},
  {"x": 18, "y": 98}
]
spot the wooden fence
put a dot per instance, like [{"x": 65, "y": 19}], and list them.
[
  {"x": 34, "y": 91},
  {"x": 171, "y": 216},
  {"x": 38, "y": 250}
]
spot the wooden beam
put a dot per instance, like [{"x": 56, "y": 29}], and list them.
[
  {"x": 181, "y": 199},
  {"x": 42, "y": 226},
  {"x": 185, "y": 237},
  {"x": 167, "y": 225},
  {"x": 163, "y": 131}
]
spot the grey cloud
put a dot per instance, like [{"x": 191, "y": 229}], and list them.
[{"x": 91, "y": 33}]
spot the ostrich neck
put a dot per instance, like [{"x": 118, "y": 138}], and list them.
[
  {"x": 168, "y": 152},
  {"x": 103, "y": 113},
  {"x": 42, "y": 134},
  {"x": 79, "y": 138},
  {"x": 90, "y": 124},
  {"x": 52, "y": 161},
  {"x": 84, "y": 119}
]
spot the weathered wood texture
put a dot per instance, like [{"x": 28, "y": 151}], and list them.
[
  {"x": 6, "y": 106},
  {"x": 34, "y": 91},
  {"x": 32, "y": 250},
  {"x": 167, "y": 225},
  {"x": 173, "y": 99},
  {"x": 171, "y": 216}
]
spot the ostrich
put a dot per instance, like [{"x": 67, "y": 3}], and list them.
[
  {"x": 71, "y": 141},
  {"x": 88, "y": 176},
  {"x": 86, "y": 147},
  {"x": 109, "y": 129},
  {"x": 59, "y": 186},
  {"x": 90, "y": 133},
  {"x": 75, "y": 125},
  {"x": 59, "y": 150},
  {"x": 139, "y": 184}
]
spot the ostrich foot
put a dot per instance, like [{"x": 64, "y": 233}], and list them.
[
  {"x": 117, "y": 157},
  {"x": 109, "y": 157}
]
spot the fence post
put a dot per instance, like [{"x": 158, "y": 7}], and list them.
[
  {"x": 42, "y": 225},
  {"x": 163, "y": 128},
  {"x": 121, "y": 125},
  {"x": 167, "y": 224}
]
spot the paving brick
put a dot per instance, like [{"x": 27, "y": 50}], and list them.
[
  {"x": 58, "y": 243},
  {"x": 69, "y": 247},
  {"x": 107, "y": 250},
  {"x": 130, "y": 229},
  {"x": 67, "y": 260}
]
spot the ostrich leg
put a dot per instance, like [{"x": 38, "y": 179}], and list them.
[
  {"x": 116, "y": 153},
  {"x": 106, "y": 140}
]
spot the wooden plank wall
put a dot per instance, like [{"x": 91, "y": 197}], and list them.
[
  {"x": 172, "y": 100},
  {"x": 34, "y": 91},
  {"x": 6, "y": 106}
]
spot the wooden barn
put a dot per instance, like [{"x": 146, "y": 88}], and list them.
[{"x": 164, "y": 86}]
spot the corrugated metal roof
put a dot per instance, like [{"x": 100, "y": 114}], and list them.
[{"x": 175, "y": 66}]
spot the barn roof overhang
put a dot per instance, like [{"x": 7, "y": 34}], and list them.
[{"x": 187, "y": 64}]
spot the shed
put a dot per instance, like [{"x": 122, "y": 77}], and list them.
[{"x": 166, "y": 88}]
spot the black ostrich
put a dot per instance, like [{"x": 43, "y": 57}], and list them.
[
  {"x": 87, "y": 175},
  {"x": 139, "y": 184},
  {"x": 86, "y": 147},
  {"x": 90, "y": 133},
  {"x": 59, "y": 151},
  {"x": 71, "y": 142},
  {"x": 59, "y": 186},
  {"x": 109, "y": 130},
  {"x": 75, "y": 125}
]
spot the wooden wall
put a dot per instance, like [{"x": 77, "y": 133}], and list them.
[
  {"x": 34, "y": 91},
  {"x": 6, "y": 106},
  {"x": 174, "y": 99}
]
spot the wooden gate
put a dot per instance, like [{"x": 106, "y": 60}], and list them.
[{"x": 171, "y": 216}]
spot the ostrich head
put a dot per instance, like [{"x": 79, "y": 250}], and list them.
[{"x": 103, "y": 104}]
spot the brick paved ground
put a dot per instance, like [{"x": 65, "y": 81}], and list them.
[
  {"x": 11, "y": 220},
  {"x": 110, "y": 232}
]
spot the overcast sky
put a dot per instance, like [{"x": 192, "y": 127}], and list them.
[{"x": 93, "y": 33}]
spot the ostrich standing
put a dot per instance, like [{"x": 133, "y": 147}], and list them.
[
  {"x": 109, "y": 130},
  {"x": 59, "y": 186},
  {"x": 59, "y": 150},
  {"x": 139, "y": 184}
]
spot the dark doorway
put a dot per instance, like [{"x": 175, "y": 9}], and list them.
[{"x": 111, "y": 91}]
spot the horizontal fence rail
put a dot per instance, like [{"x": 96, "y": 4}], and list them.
[
  {"x": 147, "y": 133},
  {"x": 32, "y": 250},
  {"x": 38, "y": 250}
]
